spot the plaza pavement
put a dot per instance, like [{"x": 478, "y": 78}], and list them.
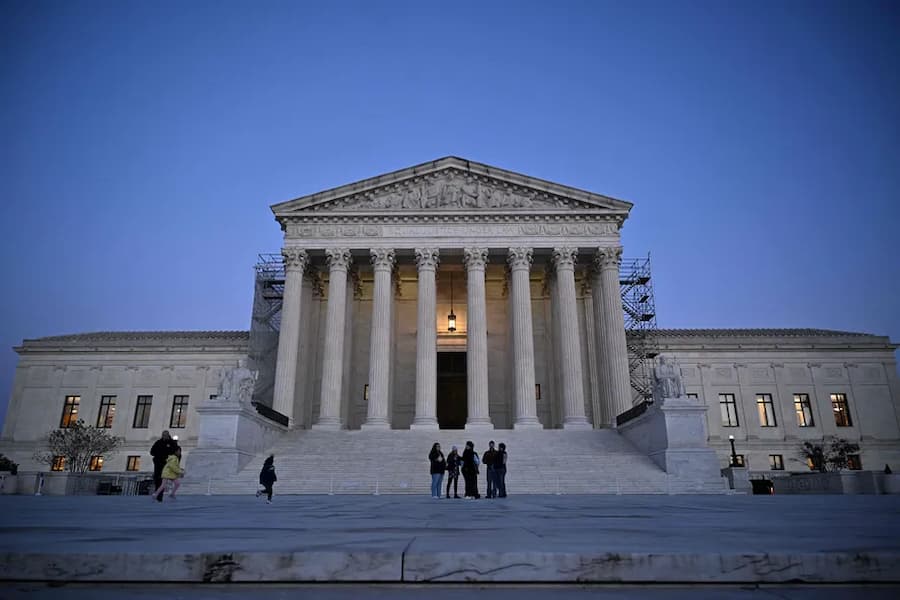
[{"x": 412, "y": 540}]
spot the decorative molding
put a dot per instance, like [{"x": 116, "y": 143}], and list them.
[
  {"x": 608, "y": 257},
  {"x": 382, "y": 259},
  {"x": 338, "y": 259},
  {"x": 294, "y": 259},
  {"x": 427, "y": 258},
  {"x": 565, "y": 257},
  {"x": 519, "y": 258},
  {"x": 475, "y": 258}
]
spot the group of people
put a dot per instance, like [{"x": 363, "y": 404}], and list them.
[{"x": 494, "y": 461}]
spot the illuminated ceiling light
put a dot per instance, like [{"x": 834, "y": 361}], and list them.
[{"x": 451, "y": 318}]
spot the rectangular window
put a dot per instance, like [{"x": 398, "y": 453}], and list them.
[
  {"x": 179, "y": 412},
  {"x": 853, "y": 462},
  {"x": 59, "y": 463},
  {"x": 766, "y": 410},
  {"x": 776, "y": 462},
  {"x": 142, "y": 412},
  {"x": 107, "y": 412},
  {"x": 70, "y": 412},
  {"x": 729, "y": 410},
  {"x": 133, "y": 463},
  {"x": 841, "y": 410},
  {"x": 537, "y": 391},
  {"x": 96, "y": 463},
  {"x": 693, "y": 396},
  {"x": 804, "y": 410},
  {"x": 739, "y": 460}
]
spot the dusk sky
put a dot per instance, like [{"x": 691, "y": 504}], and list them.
[{"x": 143, "y": 143}]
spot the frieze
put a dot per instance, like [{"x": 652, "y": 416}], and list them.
[{"x": 439, "y": 227}]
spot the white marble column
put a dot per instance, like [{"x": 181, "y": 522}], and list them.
[
  {"x": 479, "y": 417},
  {"x": 612, "y": 328},
  {"x": 380, "y": 342},
  {"x": 519, "y": 260},
  {"x": 604, "y": 391},
  {"x": 295, "y": 261},
  {"x": 338, "y": 260},
  {"x": 426, "y": 341},
  {"x": 570, "y": 340}
]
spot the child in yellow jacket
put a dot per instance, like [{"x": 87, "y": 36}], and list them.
[{"x": 172, "y": 472}]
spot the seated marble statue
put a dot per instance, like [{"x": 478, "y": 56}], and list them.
[
  {"x": 667, "y": 382},
  {"x": 238, "y": 383}
]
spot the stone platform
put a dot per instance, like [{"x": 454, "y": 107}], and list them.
[{"x": 417, "y": 539}]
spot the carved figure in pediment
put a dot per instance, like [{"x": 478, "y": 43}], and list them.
[
  {"x": 450, "y": 195},
  {"x": 470, "y": 192},
  {"x": 433, "y": 191},
  {"x": 412, "y": 198}
]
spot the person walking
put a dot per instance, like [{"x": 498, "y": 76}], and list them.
[
  {"x": 438, "y": 466},
  {"x": 267, "y": 478},
  {"x": 161, "y": 450},
  {"x": 171, "y": 473},
  {"x": 500, "y": 470},
  {"x": 488, "y": 459},
  {"x": 453, "y": 462},
  {"x": 470, "y": 471}
]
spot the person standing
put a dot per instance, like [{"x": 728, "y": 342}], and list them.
[
  {"x": 161, "y": 450},
  {"x": 171, "y": 472},
  {"x": 470, "y": 471},
  {"x": 267, "y": 478},
  {"x": 453, "y": 462},
  {"x": 488, "y": 459},
  {"x": 438, "y": 466},
  {"x": 500, "y": 470}
]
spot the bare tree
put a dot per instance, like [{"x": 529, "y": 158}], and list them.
[{"x": 77, "y": 444}]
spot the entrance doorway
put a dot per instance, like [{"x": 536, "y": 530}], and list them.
[{"x": 452, "y": 407}]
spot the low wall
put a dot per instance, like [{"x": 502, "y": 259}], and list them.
[{"x": 842, "y": 482}]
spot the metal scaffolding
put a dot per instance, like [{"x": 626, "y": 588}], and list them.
[
  {"x": 265, "y": 324},
  {"x": 639, "y": 308}
]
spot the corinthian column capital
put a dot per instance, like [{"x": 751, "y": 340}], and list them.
[
  {"x": 564, "y": 258},
  {"x": 427, "y": 258},
  {"x": 294, "y": 259},
  {"x": 519, "y": 258},
  {"x": 338, "y": 258},
  {"x": 382, "y": 258},
  {"x": 608, "y": 257},
  {"x": 475, "y": 258}
]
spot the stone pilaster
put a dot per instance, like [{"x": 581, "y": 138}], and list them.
[
  {"x": 427, "y": 260},
  {"x": 295, "y": 261},
  {"x": 338, "y": 260},
  {"x": 380, "y": 343},
  {"x": 519, "y": 260},
  {"x": 612, "y": 328},
  {"x": 569, "y": 336},
  {"x": 475, "y": 260}
]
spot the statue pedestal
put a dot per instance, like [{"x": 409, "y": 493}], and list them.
[
  {"x": 738, "y": 479},
  {"x": 673, "y": 434},
  {"x": 230, "y": 435}
]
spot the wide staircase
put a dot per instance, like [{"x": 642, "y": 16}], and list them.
[{"x": 396, "y": 462}]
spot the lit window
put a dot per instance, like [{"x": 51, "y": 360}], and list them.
[
  {"x": 739, "y": 460},
  {"x": 366, "y": 392},
  {"x": 59, "y": 463},
  {"x": 853, "y": 462},
  {"x": 179, "y": 412},
  {"x": 766, "y": 410},
  {"x": 142, "y": 412},
  {"x": 96, "y": 463},
  {"x": 537, "y": 391},
  {"x": 107, "y": 412},
  {"x": 133, "y": 463},
  {"x": 841, "y": 410},
  {"x": 729, "y": 410},
  {"x": 776, "y": 462},
  {"x": 804, "y": 410},
  {"x": 70, "y": 412}
]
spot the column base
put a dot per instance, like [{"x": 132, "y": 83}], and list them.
[
  {"x": 577, "y": 423},
  {"x": 328, "y": 424},
  {"x": 530, "y": 423},
  {"x": 479, "y": 426},
  {"x": 375, "y": 425},
  {"x": 425, "y": 424}
]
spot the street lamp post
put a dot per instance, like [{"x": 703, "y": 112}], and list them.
[{"x": 733, "y": 453}]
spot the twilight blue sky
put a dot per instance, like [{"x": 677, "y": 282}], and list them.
[{"x": 143, "y": 142}]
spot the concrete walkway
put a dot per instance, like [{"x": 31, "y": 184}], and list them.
[{"x": 411, "y": 539}]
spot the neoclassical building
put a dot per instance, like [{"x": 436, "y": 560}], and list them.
[{"x": 450, "y": 301}]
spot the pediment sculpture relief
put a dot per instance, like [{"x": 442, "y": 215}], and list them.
[{"x": 450, "y": 190}]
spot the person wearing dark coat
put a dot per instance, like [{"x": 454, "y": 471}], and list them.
[
  {"x": 267, "y": 478},
  {"x": 453, "y": 463},
  {"x": 161, "y": 450},
  {"x": 438, "y": 466},
  {"x": 470, "y": 471}
]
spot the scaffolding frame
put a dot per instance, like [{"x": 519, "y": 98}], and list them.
[
  {"x": 639, "y": 309},
  {"x": 265, "y": 324}
]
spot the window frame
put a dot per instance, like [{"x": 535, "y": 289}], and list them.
[
  {"x": 179, "y": 406},
  {"x": 854, "y": 462},
  {"x": 803, "y": 408},
  {"x": 70, "y": 411},
  {"x": 727, "y": 404},
  {"x": 765, "y": 408},
  {"x": 58, "y": 464},
  {"x": 133, "y": 462},
  {"x": 105, "y": 420},
  {"x": 841, "y": 406},
  {"x": 96, "y": 463},
  {"x": 776, "y": 462},
  {"x": 142, "y": 408}
]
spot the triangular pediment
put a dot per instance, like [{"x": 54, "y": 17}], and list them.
[{"x": 452, "y": 184}]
